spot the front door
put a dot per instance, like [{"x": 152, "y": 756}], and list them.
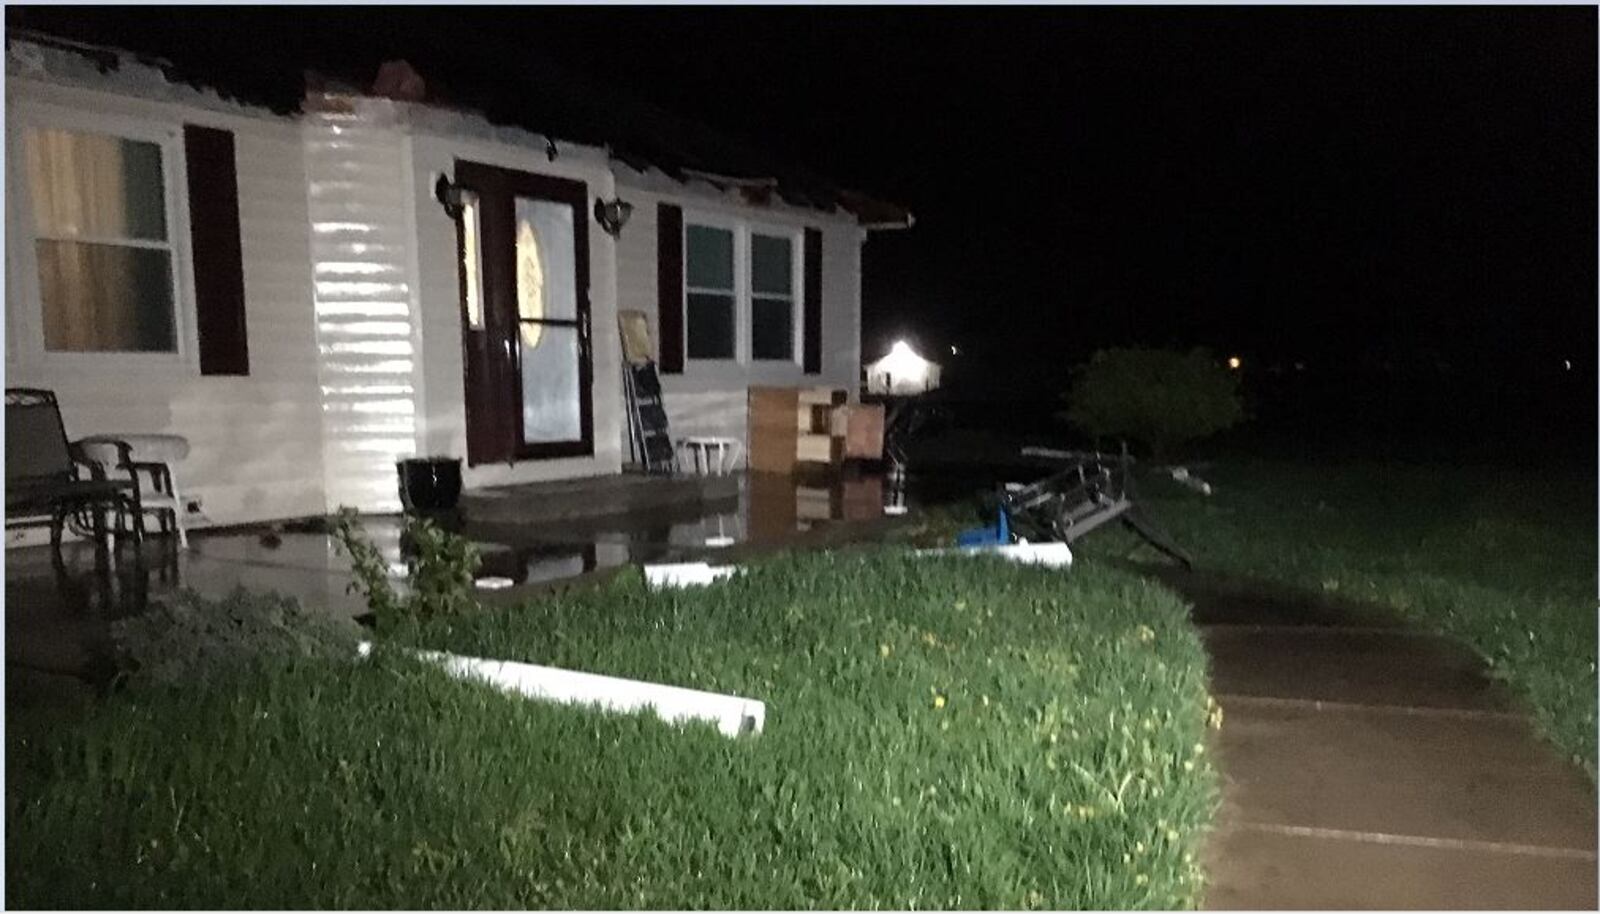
[{"x": 524, "y": 246}]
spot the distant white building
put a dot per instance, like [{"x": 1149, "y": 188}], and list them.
[{"x": 902, "y": 372}]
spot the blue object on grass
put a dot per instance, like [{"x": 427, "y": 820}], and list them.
[{"x": 998, "y": 535}]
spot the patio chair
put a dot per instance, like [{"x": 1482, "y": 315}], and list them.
[{"x": 42, "y": 476}]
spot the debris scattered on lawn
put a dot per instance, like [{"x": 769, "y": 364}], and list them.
[
  {"x": 1051, "y": 555},
  {"x": 732, "y": 715},
  {"x": 1182, "y": 475},
  {"x": 686, "y": 574},
  {"x": 701, "y": 574}
]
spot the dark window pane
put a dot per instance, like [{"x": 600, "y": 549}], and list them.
[
  {"x": 771, "y": 265},
  {"x": 106, "y": 298},
  {"x": 709, "y": 252},
  {"x": 772, "y": 329},
  {"x": 710, "y": 326}
]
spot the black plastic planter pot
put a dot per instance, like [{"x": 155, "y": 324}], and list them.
[{"x": 429, "y": 484}]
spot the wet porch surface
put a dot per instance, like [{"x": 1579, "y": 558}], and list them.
[
  {"x": 600, "y": 496},
  {"x": 56, "y": 623}
]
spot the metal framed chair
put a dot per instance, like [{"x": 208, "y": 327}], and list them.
[
  {"x": 1089, "y": 490},
  {"x": 43, "y": 479}
]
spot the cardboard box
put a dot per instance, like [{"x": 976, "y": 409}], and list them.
[
  {"x": 863, "y": 430},
  {"x": 773, "y": 435}
]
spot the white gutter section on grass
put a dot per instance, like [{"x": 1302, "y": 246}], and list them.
[
  {"x": 686, "y": 574},
  {"x": 700, "y": 574},
  {"x": 730, "y": 714},
  {"x": 1050, "y": 555}
]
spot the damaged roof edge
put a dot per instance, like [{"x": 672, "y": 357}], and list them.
[{"x": 681, "y": 153}]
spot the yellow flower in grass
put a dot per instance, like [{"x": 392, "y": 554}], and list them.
[
  {"x": 884, "y": 650},
  {"x": 1146, "y": 634},
  {"x": 1140, "y": 879},
  {"x": 938, "y": 702}
]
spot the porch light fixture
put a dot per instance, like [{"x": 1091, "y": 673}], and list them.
[
  {"x": 612, "y": 214},
  {"x": 448, "y": 193}
]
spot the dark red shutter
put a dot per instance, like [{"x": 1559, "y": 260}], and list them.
[
  {"x": 218, "y": 259},
  {"x": 812, "y": 322},
  {"x": 669, "y": 287}
]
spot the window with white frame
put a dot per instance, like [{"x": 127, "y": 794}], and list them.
[
  {"x": 102, "y": 240},
  {"x": 741, "y": 292}
]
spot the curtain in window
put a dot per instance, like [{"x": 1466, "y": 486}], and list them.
[{"x": 95, "y": 295}]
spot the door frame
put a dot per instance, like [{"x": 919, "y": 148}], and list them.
[{"x": 501, "y": 432}]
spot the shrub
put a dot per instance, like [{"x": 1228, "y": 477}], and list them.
[
  {"x": 189, "y": 639},
  {"x": 1156, "y": 397},
  {"x": 439, "y": 570}
]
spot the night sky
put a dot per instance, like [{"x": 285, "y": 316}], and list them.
[{"x": 1342, "y": 187}]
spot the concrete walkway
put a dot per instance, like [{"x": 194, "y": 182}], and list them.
[{"x": 1371, "y": 766}]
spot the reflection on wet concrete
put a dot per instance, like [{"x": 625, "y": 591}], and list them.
[{"x": 57, "y": 621}]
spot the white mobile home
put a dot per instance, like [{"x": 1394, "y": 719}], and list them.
[{"x": 308, "y": 295}]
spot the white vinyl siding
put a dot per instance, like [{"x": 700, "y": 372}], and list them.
[{"x": 255, "y": 441}]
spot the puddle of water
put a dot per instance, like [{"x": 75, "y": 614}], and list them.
[{"x": 54, "y": 620}]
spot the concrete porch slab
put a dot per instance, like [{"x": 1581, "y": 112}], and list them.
[
  {"x": 1484, "y": 778},
  {"x": 565, "y": 499},
  {"x": 1258, "y": 870},
  {"x": 1354, "y": 665}
]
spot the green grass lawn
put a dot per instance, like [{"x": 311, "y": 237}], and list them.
[
  {"x": 952, "y": 733},
  {"x": 1500, "y": 557}
]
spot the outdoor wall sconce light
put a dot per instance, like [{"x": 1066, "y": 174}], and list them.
[
  {"x": 448, "y": 193},
  {"x": 612, "y": 214}
]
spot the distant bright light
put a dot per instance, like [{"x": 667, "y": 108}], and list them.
[
  {"x": 954, "y": 351},
  {"x": 902, "y": 372},
  {"x": 1234, "y": 363},
  {"x": 1567, "y": 364}
]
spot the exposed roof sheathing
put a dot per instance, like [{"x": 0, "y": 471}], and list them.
[{"x": 557, "y": 104}]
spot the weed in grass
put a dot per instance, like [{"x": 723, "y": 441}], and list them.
[{"x": 440, "y": 567}]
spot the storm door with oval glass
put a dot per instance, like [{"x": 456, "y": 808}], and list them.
[{"x": 524, "y": 266}]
